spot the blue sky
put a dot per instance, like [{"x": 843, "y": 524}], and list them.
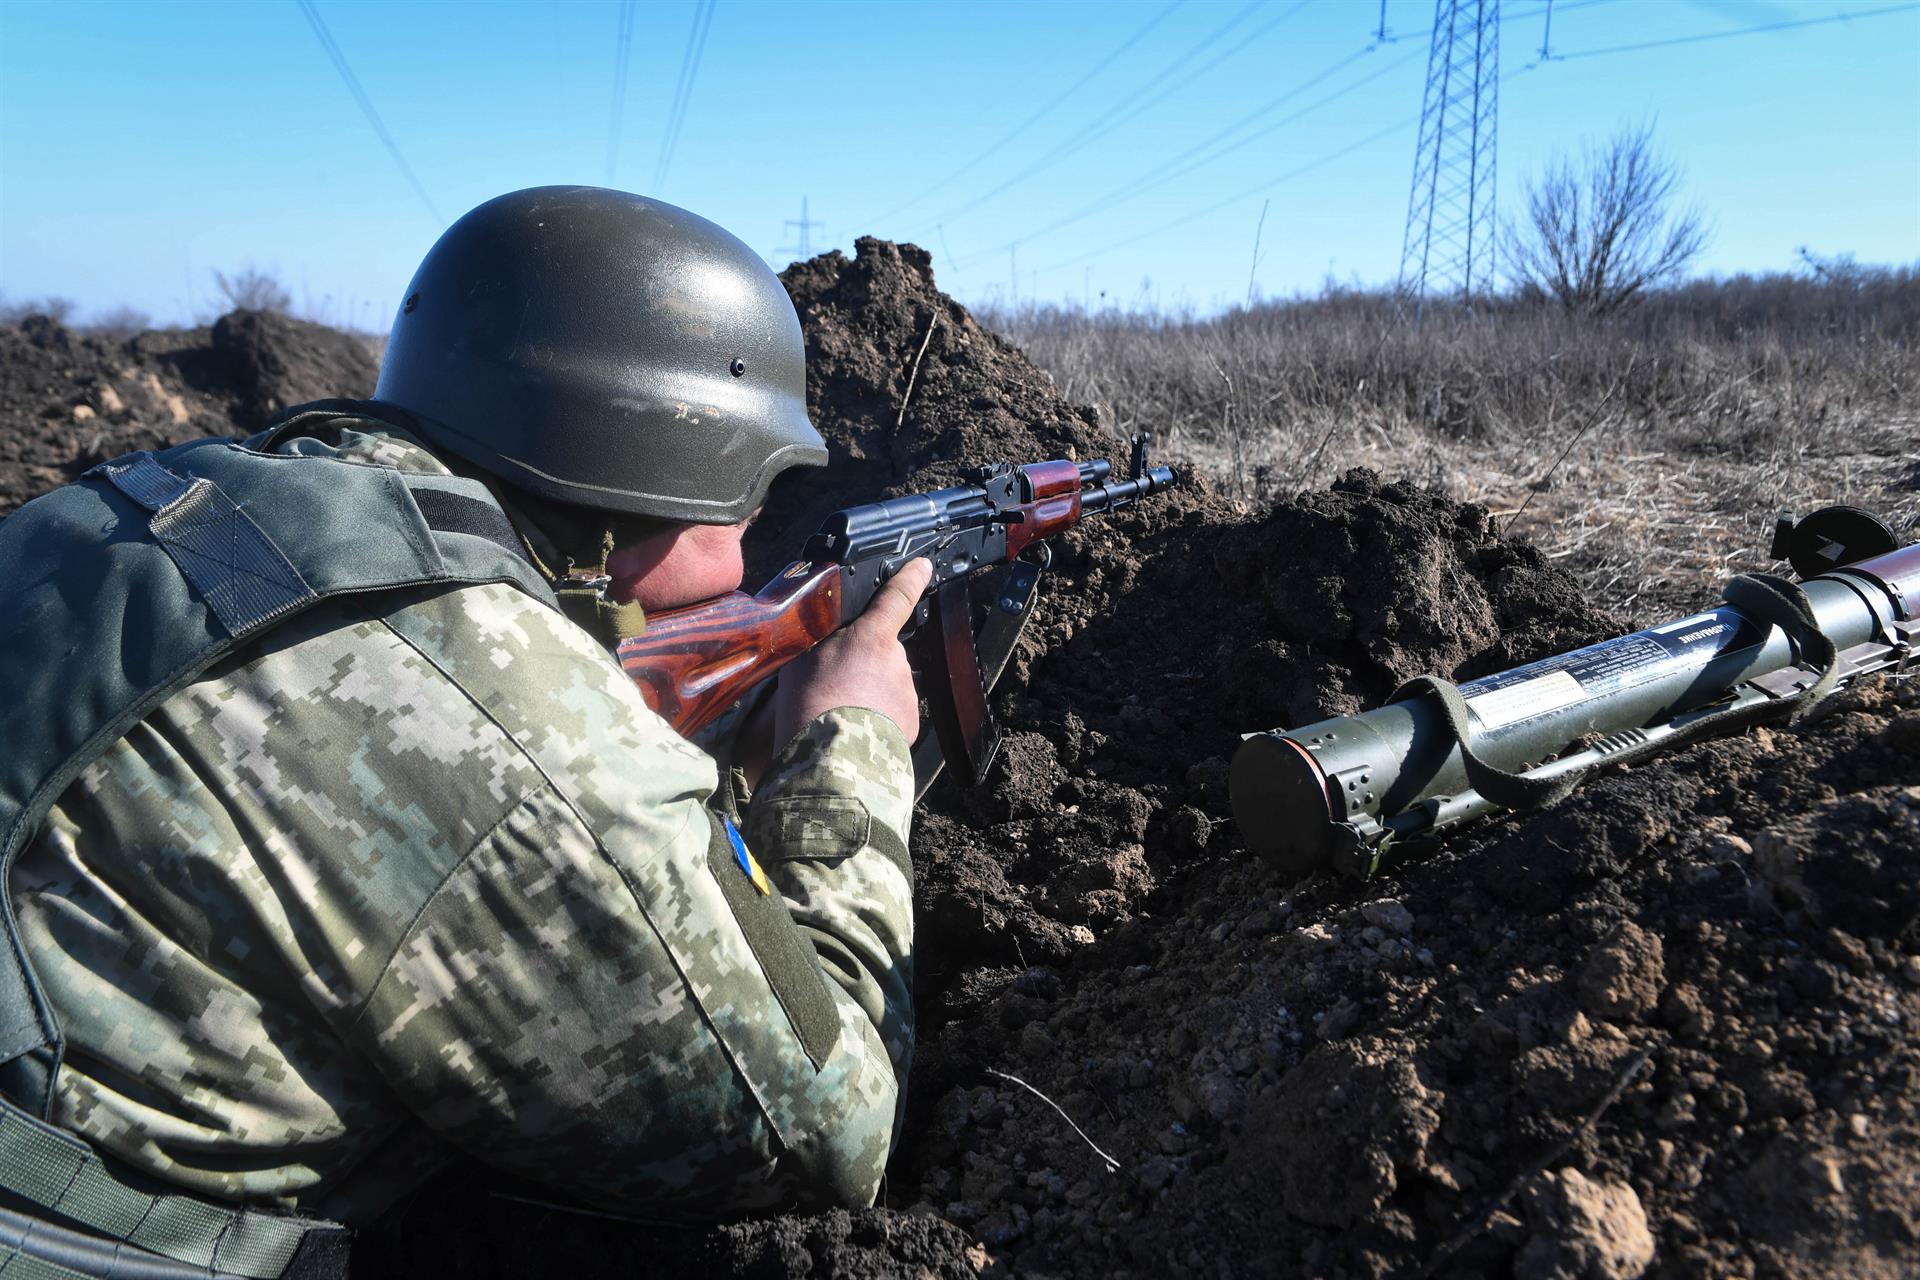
[{"x": 143, "y": 145}]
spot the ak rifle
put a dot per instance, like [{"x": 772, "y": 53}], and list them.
[{"x": 691, "y": 664}]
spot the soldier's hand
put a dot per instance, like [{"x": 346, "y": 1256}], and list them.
[{"x": 861, "y": 665}]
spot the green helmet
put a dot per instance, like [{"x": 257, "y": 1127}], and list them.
[{"x": 606, "y": 350}]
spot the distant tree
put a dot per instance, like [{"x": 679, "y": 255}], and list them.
[
  {"x": 1601, "y": 229},
  {"x": 1839, "y": 269},
  {"x": 58, "y": 309},
  {"x": 121, "y": 322},
  {"x": 251, "y": 289}
]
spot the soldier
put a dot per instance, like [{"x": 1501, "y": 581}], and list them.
[{"x": 339, "y": 843}]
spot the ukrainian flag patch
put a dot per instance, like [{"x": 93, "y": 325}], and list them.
[{"x": 743, "y": 856}]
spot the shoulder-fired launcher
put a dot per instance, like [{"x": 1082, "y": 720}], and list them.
[{"x": 1344, "y": 791}]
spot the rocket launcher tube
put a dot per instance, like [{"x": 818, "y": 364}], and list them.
[{"x": 1339, "y": 791}]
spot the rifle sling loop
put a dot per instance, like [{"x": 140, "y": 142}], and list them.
[{"x": 1765, "y": 598}]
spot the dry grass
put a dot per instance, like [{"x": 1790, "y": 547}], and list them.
[{"x": 1650, "y": 451}]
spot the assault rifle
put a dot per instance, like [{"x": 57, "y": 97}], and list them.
[
  {"x": 692, "y": 664},
  {"x": 1347, "y": 792}
]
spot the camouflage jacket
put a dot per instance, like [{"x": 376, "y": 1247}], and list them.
[{"x": 420, "y": 873}]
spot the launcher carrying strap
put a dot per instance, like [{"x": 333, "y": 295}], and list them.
[{"x": 1763, "y": 597}]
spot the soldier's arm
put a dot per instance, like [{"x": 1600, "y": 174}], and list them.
[
  {"x": 601, "y": 998},
  {"x": 830, "y": 821}
]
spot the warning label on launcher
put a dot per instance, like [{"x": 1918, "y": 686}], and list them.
[{"x": 1540, "y": 688}]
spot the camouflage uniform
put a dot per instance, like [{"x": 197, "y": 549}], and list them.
[{"x": 420, "y": 873}]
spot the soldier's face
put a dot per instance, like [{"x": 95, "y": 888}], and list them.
[{"x": 679, "y": 566}]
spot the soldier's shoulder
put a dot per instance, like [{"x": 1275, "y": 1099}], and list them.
[
  {"x": 353, "y": 433},
  {"x": 541, "y": 678}
]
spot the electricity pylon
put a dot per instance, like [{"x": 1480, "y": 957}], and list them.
[
  {"x": 804, "y": 249},
  {"x": 1448, "y": 250}
]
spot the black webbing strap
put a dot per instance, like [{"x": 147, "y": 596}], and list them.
[
  {"x": 450, "y": 512},
  {"x": 1779, "y": 602},
  {"x": 1763, "y": 597}
]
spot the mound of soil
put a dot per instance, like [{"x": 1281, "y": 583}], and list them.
[
  {"x": 1352, "y": 1079},
  {"x": 1665, "y": 1027},
  {"x": 1628, "y": 1033},
  {"x": 69, "y": 400},
  {"x": 1133, "y": 680}
]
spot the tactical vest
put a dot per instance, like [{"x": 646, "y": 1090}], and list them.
[{"x": 118, "y": 590}]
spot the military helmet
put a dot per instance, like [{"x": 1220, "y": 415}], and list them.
[{"x": 603, "y": 349}]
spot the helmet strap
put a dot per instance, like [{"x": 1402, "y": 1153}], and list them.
[
  {"x": 582, "y": 593},
  {"x": 570, "y": 547}
]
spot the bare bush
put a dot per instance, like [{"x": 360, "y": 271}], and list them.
[
  {"x": 251, "y": 289},
  {"x": 58, "y": 309},
  {"x": 1602, "y": 230},
  {"x": 121, "y": 322}
]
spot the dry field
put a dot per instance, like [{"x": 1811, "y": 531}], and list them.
[{"x": 1650, "y": 453}]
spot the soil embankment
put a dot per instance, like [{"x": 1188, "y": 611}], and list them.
[
  {"x": 1667, "y": 1027},
  {"x": 69, "y": 400}
]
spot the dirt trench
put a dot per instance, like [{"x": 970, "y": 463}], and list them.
[
  {"x": 1664, "y": 1028},
  {"x": 69, "y": 400}
]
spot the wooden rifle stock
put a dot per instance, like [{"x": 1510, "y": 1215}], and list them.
[{"x": 692, "y": 664}]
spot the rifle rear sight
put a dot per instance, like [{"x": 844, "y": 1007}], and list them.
[{"x": 1006, "y": 512}]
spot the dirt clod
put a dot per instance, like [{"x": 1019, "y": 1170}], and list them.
[
  {"x": 1623, "y": 978},
  {"x": 1583, "y": 1230},
  {"x": 1367, "y": 1115},
  {"x": 69, "y": 400}
]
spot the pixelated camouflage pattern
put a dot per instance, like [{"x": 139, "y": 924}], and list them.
[{"x": 422, "y": 873}]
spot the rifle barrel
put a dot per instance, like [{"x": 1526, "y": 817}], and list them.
[
  {"x": 1094, "y": 472},
  {"x": 1111, "y": 497}
]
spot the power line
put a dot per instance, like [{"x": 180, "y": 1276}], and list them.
[
  {"x": 1400, "y": 125},
  {"x": 1738, "y": 31},
  {"x": 1163, "y": 175},
  {"x": 1265, "y": 185},
  {"x": 683, "y": 89},
  {"x": 622, "y": 50},
  {"x": 1189, "y": 160},
  {"x": 352, "y": 82},
  {"x": 1158, "y": 177},
  {"x": 1149, "y": 103},
  {"x": 1037, "y": 116},
  {"x": 1091, "y": 134},
  {"x": 1107, "y": 121},
  {"x": 1549, "y": 8}
]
